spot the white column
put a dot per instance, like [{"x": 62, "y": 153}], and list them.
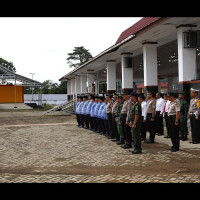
[
  {"x": 69, "y": 87},
  {"x": 90, "y": 80},
  {"x": 127, "y": 73},
  {"x": 186, "y": 58},
  {"x": 72, "y": 85},
  {"x": 83, "y": 80},
  {"x": 111, "y": 76},
  {"x": 150, "y": 64},
  {"x": 77, "y": 84}
]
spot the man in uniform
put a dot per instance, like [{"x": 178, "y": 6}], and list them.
[
  {"x": 159, "y": 116},
  {"x": 109, "y": 114},
  {"x": 83, "y": 112},
  {"x": 150, "y": 114},
  {"x": 79, "y": 109},
  {"x": 143, "y": 103},
  {"x": 134, "y": 118},
  {"x": 118, "y": 120},
  {"x": 101, "y": 115},
  {"x": 78, "y": 101},
  {"x": 114, "y": 129},
  {"x": 98, "y": 115},
  {"x": 183, "y": 116},
  {"x": 174, "y": 114},
  {"x": 165, "y": 114},
  {"x": 126, "y": 128},
  {"x": 87, "y": 112},
  {"x": 193, "y": 115},
  {"x": 92, "y": 113}
]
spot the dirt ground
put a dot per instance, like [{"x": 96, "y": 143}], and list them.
[{"x": 34, "y": 144}]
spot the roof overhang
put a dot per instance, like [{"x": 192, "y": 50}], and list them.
[{"x": 10, "y": 75}]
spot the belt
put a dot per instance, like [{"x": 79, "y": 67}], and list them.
[{"x": 172, "y": 115}]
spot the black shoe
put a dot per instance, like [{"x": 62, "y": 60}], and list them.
[
  {"x": 195, "y": 142},
  {"x": 142, "y": 139},
  {"x": 184, "y": 138},
  {"x": 149, "y": 141},
  {"x": 191, "y": 142},
  {"x": 101, "y": 133},
  {"x": 174, "y": 150},
  {"x": 126, "y": 146},
  {"x": 114, "y": 140},
  {"x": 160, "y": 134},
  {"x": 136, "y": 152},
  {"x": 170, "y": 148},
  {"x": 120, "y": 142},
  {"x": 108, "y": 137},
  {"x": 167, "y": 136}
]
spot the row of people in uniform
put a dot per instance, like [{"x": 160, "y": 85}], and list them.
[{"x": 114, "y": 117}]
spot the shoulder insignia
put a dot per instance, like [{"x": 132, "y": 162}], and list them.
[{"x": 198, "y": 103}]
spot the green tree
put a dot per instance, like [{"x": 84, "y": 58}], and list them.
[
  {"x": 79, "y": 56},
  {"x": 8, "y": 65}
]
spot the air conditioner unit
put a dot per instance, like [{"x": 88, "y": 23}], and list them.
[
  {"x": 128, "y": 62},
  {"x": 190, "y": 39}
]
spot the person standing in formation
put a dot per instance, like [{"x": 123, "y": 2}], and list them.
[
  {"x": 114, "y": 109},
  {"x": 183, "y": 116},
  {"x": 165, "y": 114},
  {"x": 150, "y": 114},
  {"x": 78, "y": 101},
  {"x": 174, "y": 122},
  {"x": 159, "y": 114},
  {"x": 143, "y": 103},
  {"x": 134, "y": 119},
  {"x": 193, "y": 115},
  {"x": 119, "y": 121},
  {"x": 87, "y": 112},
  {"x": 97, "y": 99},
  {"x": 109, "y": 114}
]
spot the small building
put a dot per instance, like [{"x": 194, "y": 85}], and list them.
[{"x": 153, "y": 49}]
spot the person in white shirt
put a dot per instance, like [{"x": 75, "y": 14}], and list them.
[
  {"x": 165, "y": 114},
  {"x": 159, "y": 114},
  {"x": 142, "y": 101}
]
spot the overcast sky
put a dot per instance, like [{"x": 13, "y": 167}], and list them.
[{"x": 40, "y": 45}]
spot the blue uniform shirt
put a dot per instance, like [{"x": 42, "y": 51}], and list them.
[
  {"x": 93, "y": 109},
  {"x": 77, "y": 106},
  {"x": 83, "y": 110},
  {"x": 78, "y": 111},
  {"x": 103, "y": 113},
  {"x": 97, "y": 109},
  {"x": 100, "y": 110},
  {"x": 89, "y": 107}
]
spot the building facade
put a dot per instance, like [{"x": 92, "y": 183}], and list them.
[{"x": 151, "y": 50}]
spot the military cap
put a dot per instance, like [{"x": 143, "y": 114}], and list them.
[
  {"x": 119, "y": 96},
  {"x": 183, "y": 93},
  {"x": 171, "y": 94},
  {"x": 125, "y": 93},
  {"x": 134, "y": 94},
  {"x": 194, "y": 90},
  {"x": 114, "y": 95}
]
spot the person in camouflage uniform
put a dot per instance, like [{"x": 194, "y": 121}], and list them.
[
  {"x": 134, "y": 118},
  {"x": 183, "y": 117},
  {"x": 118, "y": 120}
]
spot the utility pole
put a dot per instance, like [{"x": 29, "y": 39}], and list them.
[{"x": 32, "y": 86}]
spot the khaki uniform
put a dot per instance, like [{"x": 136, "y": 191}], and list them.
[
  {"x": 115, "y": 131},
  {"x": 174, "y": 107},
  {"x": 150, "y": 125},
  {"x": 109, "y": 117},
  {"x": 194, "y": 123}
]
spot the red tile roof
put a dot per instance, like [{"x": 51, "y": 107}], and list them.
[{"x": 141, "y": 24}]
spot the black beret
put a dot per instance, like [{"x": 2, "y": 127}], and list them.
[
  {"x": 134, "y": 94},
  {"x": 171, "y": 94}
]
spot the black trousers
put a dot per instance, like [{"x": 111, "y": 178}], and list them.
[
  {"x": 195, "y": 128},
  {"x": 167, "y": 123},
  {"x": 98, "y": 124},
  {"x": 82, "y": 117},
  {"x": 103, "y": 128},
  {"x": 106, "y": 126},
  {"x": 174, "y": 132},
  {"x": 150, "y": 126},
  {"x": 86, "y": 119},
  {"x": 109, "y": 118},
  {"x": 126, "y": 130},
  {"x": 159, "y": 123},
  {"x": 143, "y": 128},
  {"x": 91, "y": 122},
  {"x": 94, "y": 123},
  {"x": 78, "y": 119},
  {"x": 115, "y": 131}
]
